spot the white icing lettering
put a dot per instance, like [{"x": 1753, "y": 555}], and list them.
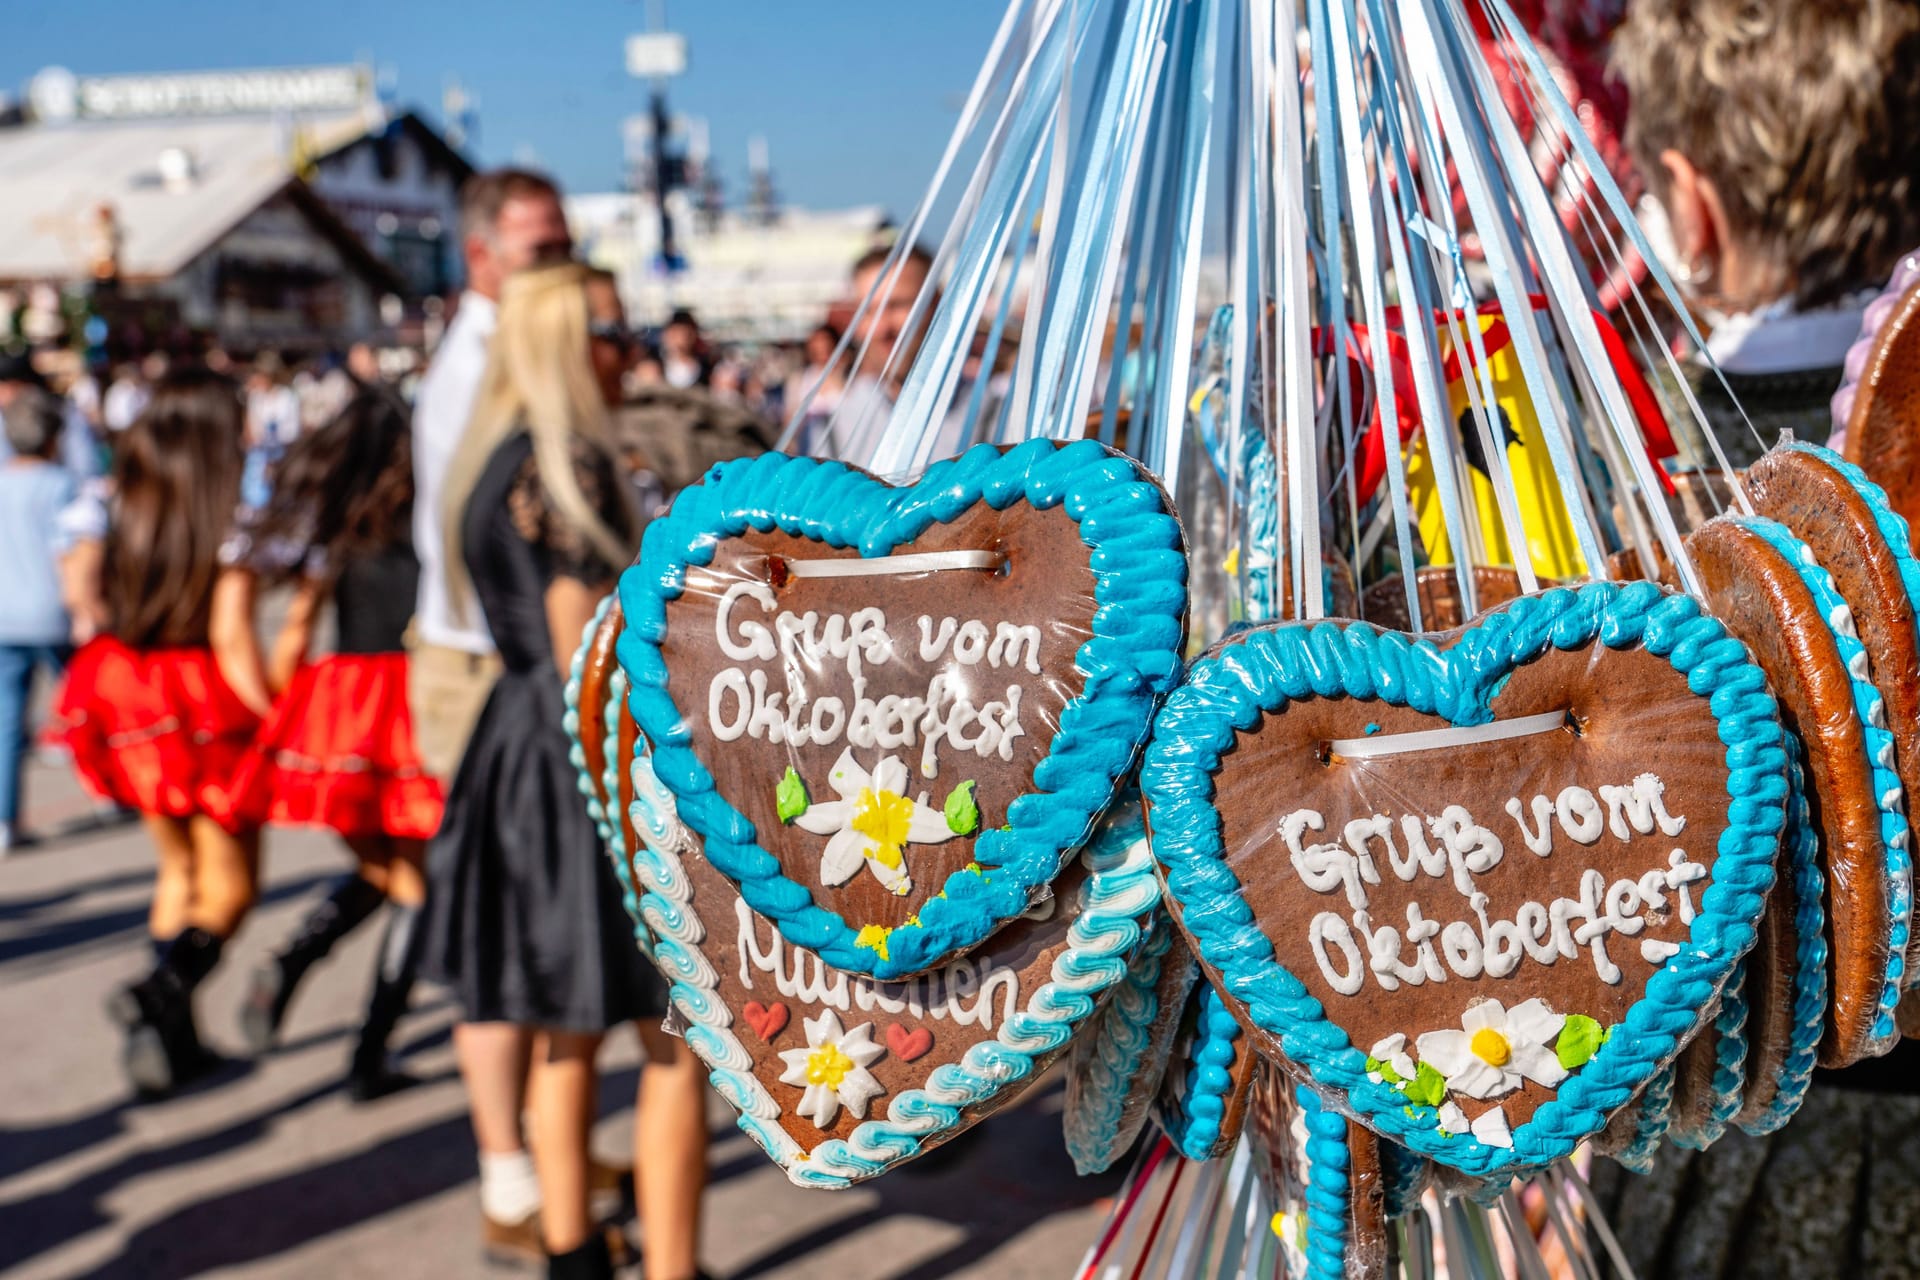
[
  {"x": 1540, "y": 839},
  {"x": 933, "y": 644},
  {"x": 730, "y": 680},
  {"x": 1453, "y": 848},
  {"x": 1579, "y": 815},
  {"x": 756, "y": 642},
  {"x": 1328, "y": 927},
  {"x": 1010, "y": 642},
  {"x": 966, "y": 992},
  {"x": 1640, "y": 808}
]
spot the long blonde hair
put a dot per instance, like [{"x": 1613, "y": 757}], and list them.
[{"x": 540, "y": 380}]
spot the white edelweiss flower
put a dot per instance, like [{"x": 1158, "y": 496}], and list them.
[
  {"x": 1452, "y": 1119},
  {"x": 833, "y": 1069},
  {"x": 1496, "y": 1049},
  {"x": 872, "y": 821},
  {"x": 1393, "y": 1052}
]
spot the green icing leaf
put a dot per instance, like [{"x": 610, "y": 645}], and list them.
[
  {"x": 1579, "y": 1039},
  {"x": 1429, "y": 1087},
  {"x": 790, "y": 796},
  {"x": 963, "y": 815},
  {"x": 1385, "y": 1071}
]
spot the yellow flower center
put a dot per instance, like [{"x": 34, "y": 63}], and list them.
[
  {"x": 883, "y": 817},
  {"x": 828, "y": 1066},
  {"x": 1491, "y": 1047}
]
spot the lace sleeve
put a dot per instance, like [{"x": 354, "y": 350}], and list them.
[{"x": 565, "y": 547}]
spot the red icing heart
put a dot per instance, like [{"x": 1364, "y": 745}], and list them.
[
  {"x": 767, "y": 1020},
  {"x": 907, "y": 1045}
]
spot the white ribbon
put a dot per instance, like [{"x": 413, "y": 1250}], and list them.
[
  {"x": 884, "y": 566},
  {"x": 1403, "y": 744}
]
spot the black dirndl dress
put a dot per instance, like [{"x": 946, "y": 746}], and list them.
[{"x": 525, "y": 921}]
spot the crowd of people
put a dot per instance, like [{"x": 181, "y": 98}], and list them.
[{"x": 460, "y": 528}]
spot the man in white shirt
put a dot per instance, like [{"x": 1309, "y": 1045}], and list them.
[
  {"x": 510, "y": 220},
  {"x": 859, "y": 421}
]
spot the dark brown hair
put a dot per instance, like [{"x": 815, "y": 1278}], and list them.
[
  {"x": 344, "y": 490},
  {"x": 1804, "y": 114},
  {"x": 485, "y": 194},
  {"x": 176, "y": 474}
]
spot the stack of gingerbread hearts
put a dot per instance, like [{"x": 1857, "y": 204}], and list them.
[{"x": 861, "y": 753}]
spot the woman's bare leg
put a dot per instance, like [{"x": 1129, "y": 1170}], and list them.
[
  {"x": 173, "y": 877},
  {"x": 560, "y": 1095},
  {"x": 670, "y": 1153},
  {"x": 226, "y": 874}
]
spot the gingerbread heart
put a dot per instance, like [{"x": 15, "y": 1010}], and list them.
[
  {"x": 889, "y": 714},
  {"x": 847, "y": 1100},
  {"x": 1478, "y": 886}
]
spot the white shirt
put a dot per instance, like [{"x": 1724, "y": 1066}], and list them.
[
  {"x": 859, "y": 426},
  {"x": 440, "y": 414}
]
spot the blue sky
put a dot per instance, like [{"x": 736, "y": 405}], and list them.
[{"x": 855, "y": 97}]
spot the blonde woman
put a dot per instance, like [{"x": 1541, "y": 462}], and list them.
[{"x": 525, "y": 921}]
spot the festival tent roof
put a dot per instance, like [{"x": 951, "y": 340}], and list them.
[{"x": 53, "y": 179}]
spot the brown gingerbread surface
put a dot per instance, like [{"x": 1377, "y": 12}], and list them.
[
  {"x": 1883, "y": 433},
  {"x": 1770, "y": 971},
  {"x": 1764, "y": 603},
  {"x": 1693, "y": 1074},
  {"x": 1827, "y": 513},
  {"x": 1021, "y": 626},
  {"x": 1628, "y": 713},
  {"x": 1366, "y": 1207},
  {"x": 595, "y": 673}
]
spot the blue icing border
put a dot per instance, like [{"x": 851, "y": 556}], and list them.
[
  {"x": 1234, "y": 686},
  {"x": 1329, "y": 1192},
  {"x": 1656, "y": 1113},
  {"x": 1110, "y": 1064},
  {"x": 1872, "y": 714},
  {"x": 1810, "y": 960},
  {"x": 1138, "y": 559},
  {"x": 1193, "y": 1116}
]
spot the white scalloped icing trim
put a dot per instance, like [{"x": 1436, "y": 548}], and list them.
[{"x": 1121, "y": 888}]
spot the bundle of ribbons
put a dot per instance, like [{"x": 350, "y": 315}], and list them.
[{"x": 1376, "y": 739}]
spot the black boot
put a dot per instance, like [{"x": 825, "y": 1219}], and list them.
[
  {"x": 590, "y": 1261},
  {"x": 344, "y": 910},
  {"x": 163, "y": 1049},
  {"x": 123, "y": 1006},
  {"x": 369, "y": 1077}
]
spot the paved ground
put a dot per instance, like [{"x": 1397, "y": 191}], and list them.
[{"x": 267, "y": 1171}]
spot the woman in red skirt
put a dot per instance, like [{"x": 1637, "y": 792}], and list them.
[
  {"x": 338, "y": 750},
  {"x": 160, "y": 709}
]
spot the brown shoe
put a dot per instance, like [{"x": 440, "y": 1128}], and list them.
[{"x": 515, "y": 1244}]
